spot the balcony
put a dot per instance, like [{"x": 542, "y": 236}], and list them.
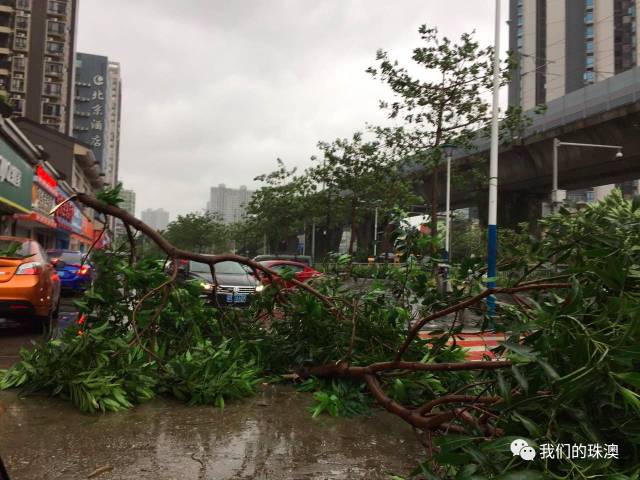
[
  {"x": 23, "y": 4},
  {"x": 51, "y": 110},
  {"x": 56, "y": 29},
  {"x": 6, "y": 6},
  {"x": 56, "y": 8},
  {"x": 21, "y": 43},
  {"x": 55, "y": 49},
  {"x": 52, "y": 89},
  {"x": 19, "y": 64},
  {"x": 53, "y": 69},
  {"x": 22, "y": 22}
]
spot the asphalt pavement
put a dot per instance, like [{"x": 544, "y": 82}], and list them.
[{"x": 15, "y": 335}]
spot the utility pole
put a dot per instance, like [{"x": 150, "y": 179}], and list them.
[{"x": 492, "y": 230}]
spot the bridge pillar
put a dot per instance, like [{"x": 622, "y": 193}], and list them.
[{"x": 513, "y": 208}]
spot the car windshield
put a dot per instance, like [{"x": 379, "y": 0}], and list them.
[
  {"x": 15, "y": 249},
  {"x": 66, "y": 257},
  {"x": 223, "y": 267}
]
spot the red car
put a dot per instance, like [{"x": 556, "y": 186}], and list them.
[{"x": 302, "y": 272}]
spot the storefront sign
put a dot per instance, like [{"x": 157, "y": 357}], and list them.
[
  {"x": 10, "y": 173},
  {"x": 16, "y": 178},
  {"x": 48, "y": 179},
  {"x": 41, "y": 200}
]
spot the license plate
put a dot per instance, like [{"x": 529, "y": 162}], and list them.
[{"x": 236, "y": 298}]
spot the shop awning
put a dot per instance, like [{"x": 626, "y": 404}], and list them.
[{"x": 35, "y": 219}]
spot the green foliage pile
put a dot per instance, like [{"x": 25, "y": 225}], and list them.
[
  {"x": 576, "y": 373},
  {"x": 101, "y": 364}
]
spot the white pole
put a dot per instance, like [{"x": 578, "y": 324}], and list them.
[
  {"x": 375, "y": 235},
  {"x": 313, "y": 242},
  {"x": 447, "y": 238},
  {"x": 492, "y": 234}
]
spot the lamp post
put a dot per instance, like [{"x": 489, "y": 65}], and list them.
[
  {"x": 558, "y": 196},
  {"x": 448, "y": 149},
  {"x": 492, "y": 230},
  {"x": 375, "y": 235}
]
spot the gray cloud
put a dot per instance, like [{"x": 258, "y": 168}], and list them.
[{"x": 215, "y": 90}]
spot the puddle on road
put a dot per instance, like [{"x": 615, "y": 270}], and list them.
[{"x": 271, "y": 436}]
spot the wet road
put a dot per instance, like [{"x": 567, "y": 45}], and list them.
[
  {"x": 15, "y": 335},
  {"x": 271, "y": 436}
]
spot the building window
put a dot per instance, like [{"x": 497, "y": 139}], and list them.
[
  {"x": 55, "y": 28},
  {"x": 589, "y": 46},
  {"x": 17, "y": 84},
  {"x": 588, "y": 32},
  {"x": 57, "y": 8},
  {"x": 19, "y": 63},
  {"x": 53, "y": 89},
  {"x": 51, "y": 109},
  {"x": 588, "y": 17},
  {"x": 22, "y": 22},
  {"x": 23, "y": 4},
  {"x": 589, "y": 61},
  {"x": 20, "y": 43},
  {"x": 55, "y": 48},
  {"x": 589, "y": 76},
  {"x": 588, "y": 4},
  {"x": 51, "y": 68}
]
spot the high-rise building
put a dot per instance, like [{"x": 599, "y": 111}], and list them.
[
  {"x": 97, "y": 110},
  {"x": 37, "y": 54},
  {"x": 90, "y": 114},
  {"x": 157, "y": 218},
  {"x": 128, "y": 204},
  {"x": 563, "y": 45},
  {"x": 229, "y": 203}
]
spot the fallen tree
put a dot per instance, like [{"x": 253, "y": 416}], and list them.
[{"x": 141, "y": 333}]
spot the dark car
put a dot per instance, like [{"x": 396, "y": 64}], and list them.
[
  {"x": 234, "y": 284},
  {"x": 74, "y": 270}
]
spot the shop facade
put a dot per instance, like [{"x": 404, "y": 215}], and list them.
[{"x": 16, "y": 180}]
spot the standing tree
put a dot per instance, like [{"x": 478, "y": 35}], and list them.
[
  {"x": 448, "y": 104},
  {"x": 359, "y": 176},
  {"x": 279, "y": 208},
  {"x": 200, "y": 232}
]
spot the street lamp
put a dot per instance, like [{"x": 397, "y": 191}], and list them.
[
  {"x": 448, "y": 149},
  {"x": 558, "y": 196}
]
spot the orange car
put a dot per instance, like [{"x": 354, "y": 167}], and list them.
[{"x": 29, "y": 284}]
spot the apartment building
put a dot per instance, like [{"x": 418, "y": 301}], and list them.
[
  {"x": 229, "y": 203},
  {"x": 563, "y": 45},
  {"x": 37, "y": 54},
  {"x": 128, "y": 204},
  {"x": 157, "y": 218}
]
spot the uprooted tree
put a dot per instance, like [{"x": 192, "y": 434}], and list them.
[{"x": 568, "y": 372}]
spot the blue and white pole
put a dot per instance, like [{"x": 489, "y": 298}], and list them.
[{"x": 492, "y": 235}]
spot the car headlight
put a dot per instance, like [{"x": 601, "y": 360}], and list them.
[
  {"x": 207, "y": 286},
  {"x": 259, "y": 288}
]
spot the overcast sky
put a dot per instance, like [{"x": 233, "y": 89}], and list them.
[{"x": 215, "y": 90}]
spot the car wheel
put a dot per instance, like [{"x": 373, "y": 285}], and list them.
[{"x": 46, "y": 325}]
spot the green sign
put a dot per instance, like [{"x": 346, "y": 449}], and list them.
[{"x": 16, "y": 179}]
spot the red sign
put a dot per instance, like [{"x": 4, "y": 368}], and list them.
[
  {"x": 48, "y": 179},
  {"x": 65, "y": 211}
]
